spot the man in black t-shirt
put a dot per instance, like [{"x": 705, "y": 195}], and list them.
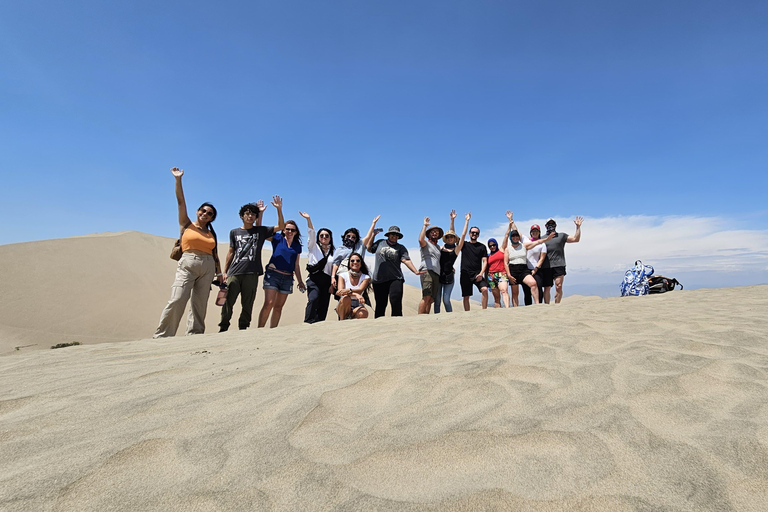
[
  {"x": 243, "y": 266},
  {"x": 474, "y": 262}
]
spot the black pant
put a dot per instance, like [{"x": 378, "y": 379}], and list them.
[
  {"x": 318, "y": 297},
  {"x": 527, "y": 290},
  {"x": 392, "y": 290}
]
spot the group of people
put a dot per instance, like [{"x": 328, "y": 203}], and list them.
[{"x": 536, "y": 263}]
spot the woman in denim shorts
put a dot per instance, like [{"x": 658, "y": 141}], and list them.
[{"x": 278, "y": 278}]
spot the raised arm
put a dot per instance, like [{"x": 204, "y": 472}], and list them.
[
  {"x": 277, "y": 202},
  {"x": 262, "y": 208},
  {"x": 453, "y": 218},
  {"x": 368, "y": 240},
  {"x": 463, "y": 233},
  {"x": 509, "y": 230},
  {"x": 182, "y": 203},
  {"x": 577, "y": 236},
  {"x": 423, "y": 233},
  {"x": 311, "y": 242}
]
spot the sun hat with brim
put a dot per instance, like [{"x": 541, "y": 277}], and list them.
[
  {"x": 437, "y": 228},
  {"x": 448, "y": 233},
  {"x": 394, "y": 230}
]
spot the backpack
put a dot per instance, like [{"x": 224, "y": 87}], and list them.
[
  {"x": 661, "y": 284},
  {"x": 636, "y": 280}
]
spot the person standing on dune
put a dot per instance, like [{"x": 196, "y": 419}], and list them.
[
  {"x": 430, "y": 266},
  {"x": 555, "y": 273}
]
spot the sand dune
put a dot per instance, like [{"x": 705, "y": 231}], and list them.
[
  {"x": 103, "y": 287},
  {"x": 652, "y": 403}
]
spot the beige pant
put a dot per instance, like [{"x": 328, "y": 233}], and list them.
[{"x": 193, "y": 277}]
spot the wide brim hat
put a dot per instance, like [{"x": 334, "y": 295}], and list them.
[
  {"x": 437, "y": 228},
  {"x": 394, "y": 230},
  {"x": 448, "y": 233}
]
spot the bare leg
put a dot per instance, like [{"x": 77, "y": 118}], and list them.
[
  {"x": 269, "y": 302},
  {"x": 425, "y": 305},
  {"x": 466, "y": 303},
  {"x": 515, "y": 295},
  {"x": 484, "y": 291},
  {"x": 343, "y": 308},
  {"x": 531, "y": 282},
  {"x": 361, "y": 312},
  {"x": 503, "y": 288},
  {"x": 546, "y": 294},
  {"x": 277, "y": 310},
  {"x": 496, "y": 297},
  {"x": 559, "y": 289}
]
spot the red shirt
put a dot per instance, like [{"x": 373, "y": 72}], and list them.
[{"x": 496, "y": 262}]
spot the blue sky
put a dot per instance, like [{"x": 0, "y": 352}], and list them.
[{"x": 609, "y": 110}]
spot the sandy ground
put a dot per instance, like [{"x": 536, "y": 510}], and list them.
[
  {"x": 105, "y": 287},
  {"x": 651, "y": 403}
]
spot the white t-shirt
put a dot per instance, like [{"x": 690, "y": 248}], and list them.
[
  {"x": 345, "y": 280},
  {"x": 516, "y": 255},
  {"x": 534, "y": 253}
]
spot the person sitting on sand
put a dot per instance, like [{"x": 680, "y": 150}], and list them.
[
  {"x": 430, "y": 266},
  {"x": 448, "y": 254},
  {"x": 278, "y": 279},
  {"x": 195, "y": 270},
  {"x": 352, "y": 285},
  {"x": 243, "y": 267},
  {"x": 555, "y": 273},
  {"x": 387, "y": 275}
]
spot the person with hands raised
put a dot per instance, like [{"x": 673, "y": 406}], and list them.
[
  {"x": 319, "y": 268},
  {"x": 282, "y": 266},
  {"x": 555, "y": 273},
  {"x": 430, "y": 266},
  {"x": 387, "y": 276},
  {"x": 242, "y": 266},
  {"x": 448, "y": 254},
  {"x": 197, "y": 266},
  {"x": 474, "y": 262}
]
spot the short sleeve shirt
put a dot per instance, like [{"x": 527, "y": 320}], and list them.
[
  {"x": 472, "y": 257},
  {"x": 247, "y": 244},
  {"x": 387, "y": 261},
  {"x": 284, "y": 257},
  {"x": 556, "y": 250},
  {"x": 430, "y": 257},
  {"x": 534, "y": 253}
]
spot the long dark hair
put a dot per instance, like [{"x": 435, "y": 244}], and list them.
[
  {"x": 330, "y": 233},
  {"x": 210, "y": 222},
  {"x": 363, "y": 267}
]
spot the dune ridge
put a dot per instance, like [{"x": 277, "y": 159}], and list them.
[{"x": 652, "y": 403}]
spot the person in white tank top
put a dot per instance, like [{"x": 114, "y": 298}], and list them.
[{"x": 352, "y": 285}]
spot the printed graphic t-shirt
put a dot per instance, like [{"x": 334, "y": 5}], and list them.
[
  {"x": 388, "y": 259},
  {"x": 247, "y": 244}
]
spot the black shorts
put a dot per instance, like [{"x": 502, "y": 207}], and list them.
[
  {"x": 551, "y": 273},
  {"x": 467, "y": 282},
  {"x": 519, "y": 272}
]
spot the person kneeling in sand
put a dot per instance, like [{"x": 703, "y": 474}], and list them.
[{"x": 352, "y": 285}]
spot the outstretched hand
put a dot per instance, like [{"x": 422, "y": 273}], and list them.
[
  {"x": 509, "y": 216},
  {"x": 376, "y": 219},
  {"x": 261, "y": 206},
  {"x": 577, "y": 221},
  {"x": 426, "y": 221},
  {"x": 468, "y": 216},
  {"x": 178, "y": 173},
  {"x": 277, "y": 201},
  {"x": 453, "y": 214},
  {"x": 304, "y": 214}
]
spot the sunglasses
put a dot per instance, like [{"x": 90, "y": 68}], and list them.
[
  {"x": 355, "y": 261},
  {"x": 324, "y": 235},
  {"x": 472, "y": 233},
  {"x": 207, "y": 212},
  {"x": 492, "y": 245},
  {"x": 289, "y": 230}
]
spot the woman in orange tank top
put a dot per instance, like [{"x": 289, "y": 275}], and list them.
[{"x": 195, "y": 271}]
